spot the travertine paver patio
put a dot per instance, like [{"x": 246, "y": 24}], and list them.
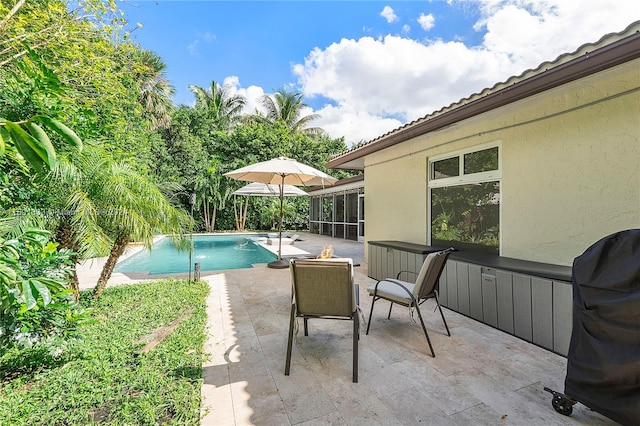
[{"x": 480, "y": 376}]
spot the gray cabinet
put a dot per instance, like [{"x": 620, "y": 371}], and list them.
[
  {"x": 489, "y": 298},
  {"x": 542, "y": 312},
  {"x": 452, "y": 285},
  {"x": 504, "y": 295},
  {"x": 462, "y": 275},
  {"x": 522, "y": 321},
  {"x": 475, "y": 292},
  {"x": 535, "y": 309},
  {"x": 562, "y": 316},
  {"x": 386, "y": 262}
]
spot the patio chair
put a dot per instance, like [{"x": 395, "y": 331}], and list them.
[
  {"x": 412, "y": 295},
  {"x": 323, "y": 288}
]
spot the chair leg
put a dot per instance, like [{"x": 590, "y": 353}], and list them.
[
  {"x": 442, "y": 314},
  {"x": 433, "y": 354},
  {"x": 357, "y": 293},
  {"x": 370, "y": 314},
  {"x": 356, "y": 332},
  {"x": 287, "y": 365},
  {"x": 306, "y": 327},
  {"x": 390, "y": 306}
]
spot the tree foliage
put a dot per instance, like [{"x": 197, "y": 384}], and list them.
[
  {"x": 286, "y": 106},
  {"x": 220, "y": 108}
]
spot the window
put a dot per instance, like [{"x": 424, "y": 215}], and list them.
[
  {"x": 465, "y": 200},
  {"x": 339, "y": 208},
  {"x": 327, "y": 208},
  {"x": 481, "y": 161},
  {"x": 446, "y": 168},
  {"x": 315, "y": 209},
  {"x": 352, "y": 208},
  {"x": 339, "y": 214}
]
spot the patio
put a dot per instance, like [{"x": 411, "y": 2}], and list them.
[{"x": 480, "y": 375}]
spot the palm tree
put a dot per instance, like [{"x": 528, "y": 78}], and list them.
[
  {"x": 219, "y": 105},
  {"x": 72, "y": 185},
  {"x": 134, "y": 209},
  {"x": 107, "y": 204},
  {"x": 212, "y": 192},
  {"x": 286, "y": 106},
  {"x": 156, "y": 91}
]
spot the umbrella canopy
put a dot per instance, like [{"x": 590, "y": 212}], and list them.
[
  {"x": 282, "y": 171},
  {"x": 265, "y": 190}
]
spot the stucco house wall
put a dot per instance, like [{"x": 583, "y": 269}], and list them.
[{"x": 570, "y": 161}]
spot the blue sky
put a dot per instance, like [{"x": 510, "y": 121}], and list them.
[{"x": 366, "y": 67}]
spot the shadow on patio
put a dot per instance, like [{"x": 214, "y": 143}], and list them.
[{"x": 480, "y": 375}]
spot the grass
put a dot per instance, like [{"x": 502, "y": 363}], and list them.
[{"x": 102, "y": 379}]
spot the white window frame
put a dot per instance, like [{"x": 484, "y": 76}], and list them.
[{"x": 462, "y": 179}]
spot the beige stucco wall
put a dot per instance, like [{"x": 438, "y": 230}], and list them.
[{"x": 570, "y": 169}]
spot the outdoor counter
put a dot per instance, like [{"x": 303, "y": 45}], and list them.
[{"x": 537, "y": 269}]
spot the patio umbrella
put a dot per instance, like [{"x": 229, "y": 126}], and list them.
[
  {"x": 282, "y": 171},
  {"x": 263, "y": 190}
]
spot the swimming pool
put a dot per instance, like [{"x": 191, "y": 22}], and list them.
[{"x": 213, "y": 252}]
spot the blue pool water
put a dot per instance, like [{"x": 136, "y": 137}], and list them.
[{"x": 213, "y": 252}]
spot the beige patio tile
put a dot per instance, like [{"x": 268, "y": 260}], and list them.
[{"x": 332, "y": 419}]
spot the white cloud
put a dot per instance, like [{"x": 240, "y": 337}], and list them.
[
  {"x": 193, "y": 48},
  {"x": 388, "y": 14},
  {"x": 362, "y": 125},
  {"x": 426, "y": 21},
  {"x": 208, "y": 36},
  {"x": 375, "y": 85},
  {"x": 394, "y": 77},
  {"x": 252, "y": 94},
  {"x": 379, "y": 84}
]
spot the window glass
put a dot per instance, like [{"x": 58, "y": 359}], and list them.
[
  {"x": 466, "y": 216},
  {"x": 352, "y": 232},
  {"x": 481, "y": 161},
  {"x": 327, "y": 209},
  {"x": 339, "y": 208},
  {"x": 352, "y": 208},
  {"x": 446, "y": 168},
  {"x": 315, "y": 208}
]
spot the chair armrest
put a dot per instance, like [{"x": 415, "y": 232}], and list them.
[{"x": 409, "y": 272}]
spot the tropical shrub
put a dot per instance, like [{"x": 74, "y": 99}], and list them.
[{"x": 36, "y": 308}]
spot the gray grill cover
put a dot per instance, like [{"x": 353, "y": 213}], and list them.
[{"x": 603, "y": 365}]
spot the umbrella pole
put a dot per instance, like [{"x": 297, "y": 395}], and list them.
[{"x": 280, "y": 263}]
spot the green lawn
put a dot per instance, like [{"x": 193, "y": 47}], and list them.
[{"x": 102, "y": 379}]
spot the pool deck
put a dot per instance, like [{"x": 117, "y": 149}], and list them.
[{"x": 480, "y": 376}]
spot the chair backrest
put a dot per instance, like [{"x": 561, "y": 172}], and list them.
[
  {"x": 430, "y": 273},
  {"x": 323, "y": 287}
]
